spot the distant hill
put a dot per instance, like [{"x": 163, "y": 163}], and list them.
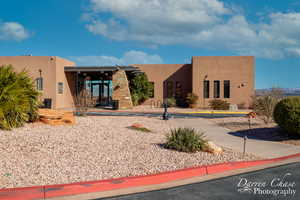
[{"x": 286, "y": 91}]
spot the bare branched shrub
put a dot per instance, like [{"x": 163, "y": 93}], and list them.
[
  {"x": 265, "y": 103},
  {"x": 83, "y": 101}
]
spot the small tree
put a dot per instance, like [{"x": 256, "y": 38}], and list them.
[{"x": 140, "y": 88}]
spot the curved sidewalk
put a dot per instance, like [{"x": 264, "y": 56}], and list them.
[{"x": 221, "y": 136}]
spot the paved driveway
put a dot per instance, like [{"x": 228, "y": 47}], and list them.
[{"x": 267, "y": 183}]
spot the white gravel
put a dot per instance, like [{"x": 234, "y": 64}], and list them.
[{"x": 95, "y": 148}]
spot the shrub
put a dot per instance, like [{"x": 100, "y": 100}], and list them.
[
  {"x": 18, "y": 98},
  {"x": 191, "y": 98},
  {"x": 185, "y": 140},
  {"x": 140, "y": 88},
  {"x": 83, "y": 101},
  {"x": 287, "y": 115},
  {"x": 218, "y": 104},
  {"x": 242, "y": 105},
  {"x": 264, "y": 107},
  {"x": 171, "y": 102}
]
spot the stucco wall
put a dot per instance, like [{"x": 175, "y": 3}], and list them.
[
  {"x": 64, "y": 100},
  {"x": 161, "y": 73},
  {"x": 32, "y": 64},
  {"x": 238, "y": 69}
]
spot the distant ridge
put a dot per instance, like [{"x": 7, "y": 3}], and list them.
[{"x": 286, "y": 91}]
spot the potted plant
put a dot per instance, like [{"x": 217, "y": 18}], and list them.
[{"x": 192, "y": 100}]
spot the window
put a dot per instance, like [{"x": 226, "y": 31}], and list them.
[
  {"x": 152, "y": 90},
  {"x": 170, "y": 91},
  {"x": 226, "y": 89},
  {"x": 206, "y": 89},
  {"x": 178, "y": 91},
  {"x": 216, "y": 89},
  {"x": 39, "y": 83},
  {"x": 60, "y": 88}
]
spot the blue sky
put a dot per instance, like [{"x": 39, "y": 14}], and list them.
[{"x": 109, "y": 32}]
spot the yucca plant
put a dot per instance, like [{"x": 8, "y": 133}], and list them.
[
  {"x": 186, "y": 140},
  {"x": 18, "y": 98}
]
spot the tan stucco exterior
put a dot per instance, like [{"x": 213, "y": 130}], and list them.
[
  {"x": 239, "y": 70},
  {"x": 52, "y": 72}
]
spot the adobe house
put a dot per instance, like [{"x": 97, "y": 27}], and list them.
[{"x": 210, "y": 77}]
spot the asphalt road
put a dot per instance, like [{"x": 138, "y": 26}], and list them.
[{"x": 274, "y": 183}]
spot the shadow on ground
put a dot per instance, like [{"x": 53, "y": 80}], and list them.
[{"x": 266, "y": 134}]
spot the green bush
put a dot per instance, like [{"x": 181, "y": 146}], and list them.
[
  {"x": 18, "y": 98},
  {"x": 218, "y": 104},
  {"x": 191, "y": 98},
  {"x": 140, "y": 88},
  {"x": 287, "y": 115},
  {"x": 185, "y": 140},
  {"x": 264, "y": 107},
  {"x": 171, "y": 102}
]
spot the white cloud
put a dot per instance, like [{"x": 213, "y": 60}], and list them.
[
  {"x": 13, "y": 31},
  {"x": 208, "y": 24},
  {"x": 130, "y": 57}
]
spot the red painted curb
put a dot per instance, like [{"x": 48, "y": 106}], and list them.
[{"x": 42, "y": 192}]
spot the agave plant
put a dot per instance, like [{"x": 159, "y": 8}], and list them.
[
  {"x": 186, "y": 140},
  {"x": 18, "y": 98}
]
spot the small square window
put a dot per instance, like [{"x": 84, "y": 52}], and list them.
[{"x": 60, "y": 88}]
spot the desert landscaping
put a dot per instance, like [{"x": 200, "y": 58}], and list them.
[{"x": 95, "y": 148}]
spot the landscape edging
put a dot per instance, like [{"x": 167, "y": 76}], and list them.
[{"x": 48, "y": 191}]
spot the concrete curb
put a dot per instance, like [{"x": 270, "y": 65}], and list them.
[{"x": 63, "y": 190}]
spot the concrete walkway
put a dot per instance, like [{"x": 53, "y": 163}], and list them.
[{"x": 219, "y": 135}]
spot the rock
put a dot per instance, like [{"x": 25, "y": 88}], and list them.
[
  {"x": 55, "y": 117},
  {"x": 213, "y": 148},
  {"x": 233, "y": 107},
  {"x": 137, "y": 125}
]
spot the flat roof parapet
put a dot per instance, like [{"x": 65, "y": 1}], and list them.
[{"x": 100, "y": 68}]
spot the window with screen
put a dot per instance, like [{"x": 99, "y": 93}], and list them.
[
  {"x": 39, "y": 84},
  {"x": 170, "y": 91},
  {"x": 60, "y": 88},
  {"x": 227, "y": 89},
  {"x": 216, "y": 89},
  {"x": 206, "y": 89}
]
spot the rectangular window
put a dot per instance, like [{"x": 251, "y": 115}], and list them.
[
  {"x": 227, "y": 89},
  {"x": 60, "y": 88},
  {"x": 206, "y": 89},
  {"x": 178, "y": 91},
  {"x": 216, "y": 89},
  {"x": 39, "y": 83},
  {"x": 170, "y": 92},
  {"x": 152, "y": 90}
]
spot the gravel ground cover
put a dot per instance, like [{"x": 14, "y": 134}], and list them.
[
  {"x": 259, "y": 130},
  {"x": 95, "y": 148}
]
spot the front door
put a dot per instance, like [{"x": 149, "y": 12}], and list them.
[{"x": 100, "y": 93}]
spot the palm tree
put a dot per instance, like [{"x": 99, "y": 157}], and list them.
[{"x": 18, "y": 98}]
